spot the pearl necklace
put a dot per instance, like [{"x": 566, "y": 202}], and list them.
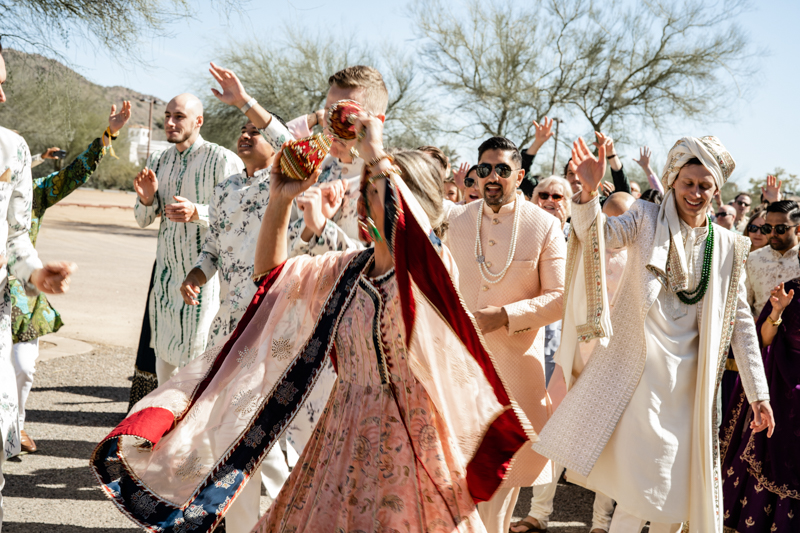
[{"x": 481, "y": 259}]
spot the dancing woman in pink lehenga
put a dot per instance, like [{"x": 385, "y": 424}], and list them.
[{"x": 418, "y": 427}]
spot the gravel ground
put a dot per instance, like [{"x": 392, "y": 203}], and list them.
[{"x": 76, "y": 401}]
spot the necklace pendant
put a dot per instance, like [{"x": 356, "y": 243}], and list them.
[{"x": 480, "y": 259}]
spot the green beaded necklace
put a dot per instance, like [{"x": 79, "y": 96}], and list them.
[{"x": 692, "y": 297}]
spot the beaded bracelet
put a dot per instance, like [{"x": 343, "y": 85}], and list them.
[
  {"x": 258, "y": 277},
  {"x": 378, "y": 158},
  {"x": 385, "y": 174}
]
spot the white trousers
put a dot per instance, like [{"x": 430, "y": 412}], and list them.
[
  {"x": 624, "y": 522},
  {"x": 496, "y": 514},
  {"x": 23, "y": 356},
  {"x": 2, "y": 483},
  {"x": 164, "y": 371},
  {"x": 542, "y": 504},
  {"x": 245, "y": 511}
]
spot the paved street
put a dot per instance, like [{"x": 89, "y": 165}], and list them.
[{"x": 78, "y": 399}]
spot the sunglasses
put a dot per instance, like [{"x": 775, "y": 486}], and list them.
[
  {"x": 722, "y": 214},
  {"x": 469, "y": 182},
  {"x": 780, "y": 229},
  {"x": 752, "y": 228},
  {"x": 741, "y": 203},
  {"x": 546, "y": 196},
  {"x": 484, "y": 170}
]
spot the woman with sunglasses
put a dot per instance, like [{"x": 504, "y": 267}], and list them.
[
  {"x": 553, "y": 195},
  {"x": 641, "y": 421},
  {"x": 753, "y": 229},
  {"x": 471, "y": 190}
]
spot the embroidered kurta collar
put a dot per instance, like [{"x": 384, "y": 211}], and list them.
[
  {"x": 777, "y": 255},
  {"x": 256, "y": 174},
  {"x": 505, "y": 209}
]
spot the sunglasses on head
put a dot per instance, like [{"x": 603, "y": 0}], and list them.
[
  {"x": 780, "y": 229},
  {"x": 722, "y": 214},
  {"x": 484, "y": 170},
  {"x": 546, "y": 196}
]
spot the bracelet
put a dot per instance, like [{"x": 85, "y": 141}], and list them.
[
  {"x": 378, "y": 158},
  {"x": 385, "y": 174},
  {"x": 108, "y": 132},
  {"x": 246, "y": 107},
  {"x": 610, "y": 157},
  {"x": 775, "y": 323},
  {"x": 259, "y": 277},
  {"x": 594, "y": 193}
]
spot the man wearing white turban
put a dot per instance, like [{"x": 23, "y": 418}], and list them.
[{"x": 640, "y": 425}]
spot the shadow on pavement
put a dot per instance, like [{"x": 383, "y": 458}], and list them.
[
  {"x": 74, "y": 418},
  {"x": 75, "y": 449},
  {"x": 76, "y": 483},
  {"x": 105, "y": 229},
  {"x": 117, "y": 394}
]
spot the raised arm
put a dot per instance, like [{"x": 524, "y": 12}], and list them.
[
  {"x": 644, "y": 162},
  {"x": 271, "y": 248},
  {"x": 621, "y": 183}
]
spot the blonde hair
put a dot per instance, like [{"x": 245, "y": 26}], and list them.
[
  {"x": 566, "y": 190},
  {"x": 376, "y": 97},
  {"x": 459, "y": 192},
  {"x": 421, "y": 175}
]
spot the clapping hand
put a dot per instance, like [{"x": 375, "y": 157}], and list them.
[
  {"x": 53, "y": 278},
  {"x": 589, "y": 169},
  {"x": 146, "y": 184},
  {"x": 183, "y": 210},
  {"x": 48, "y": 154},
  {"x": 233, "y": 92},
  {"x": 644, "y": 158},
  {"x": 117, "y": 120},
  {"x": 772, "y": 192}
]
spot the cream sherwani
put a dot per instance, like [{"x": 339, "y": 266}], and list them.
[
  {"x": 639, "y": 419},
  {"x": 532, "y": 295}
]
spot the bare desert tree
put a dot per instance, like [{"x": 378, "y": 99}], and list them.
[
  {"x": 112, "y": 26},
  {"x": 615, "y": 66}
]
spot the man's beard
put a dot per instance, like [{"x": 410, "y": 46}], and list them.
[
  {"x": 505, "y": 199},
  {"x": 184, "y": 138}
]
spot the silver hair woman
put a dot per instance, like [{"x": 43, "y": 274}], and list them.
[{"x": 553, "y": 195}]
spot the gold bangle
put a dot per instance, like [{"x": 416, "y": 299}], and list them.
[
  {"x": 775, "y": 323},
  {"x": 258, "y": 277},
  {"x": 378, "y": 158},
  {"x": 385, "y": 174}
]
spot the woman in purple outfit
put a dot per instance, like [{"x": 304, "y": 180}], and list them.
[{"x": 761, "y": 472}]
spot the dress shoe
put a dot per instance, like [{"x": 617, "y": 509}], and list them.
[{"x": 28, "y": 446}]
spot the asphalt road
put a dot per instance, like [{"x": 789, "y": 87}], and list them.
[{"x": 78, "y": 399}]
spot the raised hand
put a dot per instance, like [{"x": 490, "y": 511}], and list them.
[
  {"x": 607, "y": 141},
  {"x": 233, "y": 92},
  {"x": 780, "y": 299},
  {"x": 460, "y": 174},
  {"x": 644, "y": 158},
  {"x": 369, "y": 136},
  {"x": 543, "y": 131},
  {"x": 589, "y": 169},
  {"x": 146, "y": 184},
  {"x": 183, "y": 210},
  {"x": 608, "y": 188},
  {"x": 117, "y": 120},
  {"x": 284, "y": 188},
  {"x": 772, "y": 192},
  {"x": 53, "y": 278}
]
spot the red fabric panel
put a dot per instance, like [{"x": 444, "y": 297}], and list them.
[
  {"x": 150, "y": 424},
  {"x": 434, "y": 281},
  {"x": 401, "y": 263},
  {"x": 489, "y": 466}
]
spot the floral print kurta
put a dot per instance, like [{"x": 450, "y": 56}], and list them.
[
  {"x": 180, "y": 331},
  {"x": 33, "y": 316},
  {"x": 15, "y": 245},
  {"x": 234, "y": 220},
  {"x": 381, "y": 458}
]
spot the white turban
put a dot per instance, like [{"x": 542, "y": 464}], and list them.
[{"x": 668, "y": 247}]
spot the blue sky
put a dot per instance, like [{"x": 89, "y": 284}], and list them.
[{"x": 761, "y": 132}]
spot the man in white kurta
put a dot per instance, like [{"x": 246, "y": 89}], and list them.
[
  {"x": 19, "y": 258},
  {"x": 176, "y": 187},
  {"x": 514, "y": 285},
  {"x": 639, "y": 421}
]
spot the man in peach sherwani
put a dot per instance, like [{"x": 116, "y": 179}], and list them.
[{"x": 512, "y": 280}]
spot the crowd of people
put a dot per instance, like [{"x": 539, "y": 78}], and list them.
[{"x": 393, "y": 344}]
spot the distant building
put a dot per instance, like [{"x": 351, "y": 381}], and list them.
[{"x": 138, "y": 137}]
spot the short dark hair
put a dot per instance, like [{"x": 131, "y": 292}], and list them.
[
  {"x": 566, "y": 167},
  {"x": 653, "y": 196},
  {"x": 790, "y": 207},
  {"x": 743, "y": 194},
  {"x": 528, "y": 184},
  {"x": 500, "y": 143}
]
